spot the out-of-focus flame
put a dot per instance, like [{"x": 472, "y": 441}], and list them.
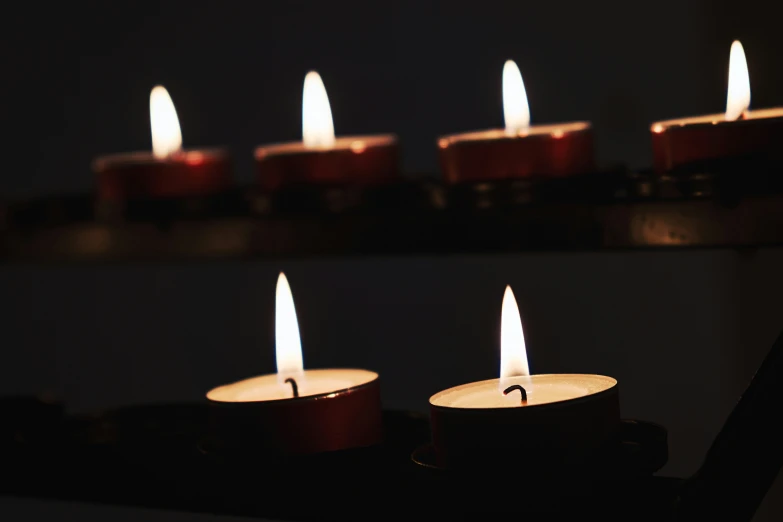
[
  {"x": 166, "y": 134},
  {"x": 738, "y": 96},
  {"x": 317, "y": 124},
  {"x": 515, "y": 108},
  {"x": 288, "y": 345},
  {"x": 513, "y": 354}
]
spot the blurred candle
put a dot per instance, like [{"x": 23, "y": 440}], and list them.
[
  {"x": 168, "y": 171},
  {"x": 736, "y": 132},
  {"x": 519, "y": 150},
  {"x": 321, "y": 158}
]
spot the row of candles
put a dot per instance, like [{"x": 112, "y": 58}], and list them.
[
  {"x": 302, "y": 412},
  {"x": 517, "y": 151}
]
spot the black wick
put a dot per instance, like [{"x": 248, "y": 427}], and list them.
[
  {"x": 517, "y": 387},
  {"x": 294, "y": 386}
]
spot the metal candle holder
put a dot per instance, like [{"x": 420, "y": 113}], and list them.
[
  {"x": 174, "y": 472},
  {"x": 160, "y": 448}
]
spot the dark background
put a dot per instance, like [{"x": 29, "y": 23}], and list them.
[{"x": 682, "y": 331}]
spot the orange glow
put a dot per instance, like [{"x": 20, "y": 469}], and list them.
[
  {"x": 358, "y": 146},
  {"x": 194, "y": 158}
]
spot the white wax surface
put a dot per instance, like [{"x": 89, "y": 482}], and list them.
[
  {"x": 557, "y": 130},
  {"x": 717, "y": 118},
  {"x": 357, "y": 144},
  {"x": 193, "y": 157},
  {"x": 272, "y": 388},
  {"x": 541, "y": 389}
]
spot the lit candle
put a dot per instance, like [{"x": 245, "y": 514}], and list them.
[
  {"x": 297, "y": 411},
  {"x": 520, "y": 150},
  {"x": 169, "y": 171},
  {"x": 543, "y": 420},
  {"x": 736, "y": 132},
  {"x": 322, "y": 159}
]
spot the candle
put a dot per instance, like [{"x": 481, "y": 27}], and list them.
[
  {"x": 737, "y": 132},
  {"x": 297, "y": 411},
  {"x": 168, "y": 171},
  {"x": 520, "y": 150},
  {"x": 322, "y": 159},
  {"x": 542, "y": 421}
]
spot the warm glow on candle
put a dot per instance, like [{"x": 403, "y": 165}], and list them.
[
  {"x": 515, "y": 107},
  {"x": 166, "y": 134},
  {"x": 317, "y": 125},
  {"x": 288, "y": 345},
  {"x": 513, "y": 354},
  {"x": 738, "y": 96}
]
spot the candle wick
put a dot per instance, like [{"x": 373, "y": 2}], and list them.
[
  {"x": 522, "y": 391},
  {"x": 294, "y": 386}
]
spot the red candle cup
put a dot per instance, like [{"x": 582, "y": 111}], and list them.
[
  {"x": 737, "y": 132},
  {"x": 546, "y": 423},
  {"x": 563, "y": 420},
  {"x": 167, "y": 171},
  {"x": 519, "y": 150},
  {"x": 546, "y": 150},
  {"x": 296, "y": 411},
  {"x": 341, "y": 411},
  {"x": 141, "y": 175},
  {"x": 359, "y": 160},
  {"x": 680, "y": 142},
  {"x": 322, "y": 159}
]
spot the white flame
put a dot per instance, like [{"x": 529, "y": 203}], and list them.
[
  {"x": 288, "y": 345},
  {"x": 515, "y": 108},
  {"x": 513, "y": 354},
  {"x": 166, "y": 135},
  {"x": 317, "y": 124},
  {"x": 738, "y": 96}
]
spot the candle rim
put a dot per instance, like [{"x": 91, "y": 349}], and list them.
[
  {"x": 341, "y": 143},
  {"x": 549, "y": 130},
  {"x": 718, "y": 118},
  {"x": 372, "y": 377},
  {"x": 142, "y": 157},
  {"x": 609, "y": 389}
]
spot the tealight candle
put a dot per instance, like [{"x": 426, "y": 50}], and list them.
[
  {"x": 544, "y": 420},
  {"x": 737, "y": 132},
  {"x": 169, "y": 171},
  {"x": 520, "y": 150},
  {"x": 297, "y": 411},
  {"x": 322, "y": 159}
]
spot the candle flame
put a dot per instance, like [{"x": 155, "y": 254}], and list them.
[
  {"x": 166, "y": 134},
  {"x": 317, "y": 124},
  {"x": 738, "y": 96},
  {"x": 288, "y": 345},
  {"x": 513, "y": 354},
  {"x": 515, "y": 107}
]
